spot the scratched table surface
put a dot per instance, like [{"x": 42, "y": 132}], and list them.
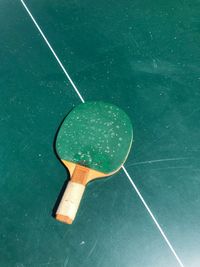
[{"x": 140, "y": 55}]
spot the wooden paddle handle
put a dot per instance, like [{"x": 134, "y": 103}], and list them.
[{"x": 71, "y": 199}]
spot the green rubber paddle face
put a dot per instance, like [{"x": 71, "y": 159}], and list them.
[{"x": 97, "y": 135}]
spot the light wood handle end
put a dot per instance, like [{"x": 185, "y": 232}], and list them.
[{"x": 64, "y": 219}]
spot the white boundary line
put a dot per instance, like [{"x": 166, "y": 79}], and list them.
[
  {"x": 153, "y": 217},
  {"x": 54, "y": 53},
  {"x": 124, "y": 169}
]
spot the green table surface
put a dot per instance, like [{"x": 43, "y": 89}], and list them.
[{"x": 143, "y": 56}]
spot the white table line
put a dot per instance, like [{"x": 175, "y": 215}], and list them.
[
  {"x": 153, "y": 217},
  {"x": 52, "y": 50},
  {"x": 124, "y": 169}
]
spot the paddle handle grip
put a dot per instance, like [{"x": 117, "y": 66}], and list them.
[{"x": 70, "y": 201}]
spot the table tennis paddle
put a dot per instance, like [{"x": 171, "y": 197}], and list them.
[{"x": 93, "y": 142}]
